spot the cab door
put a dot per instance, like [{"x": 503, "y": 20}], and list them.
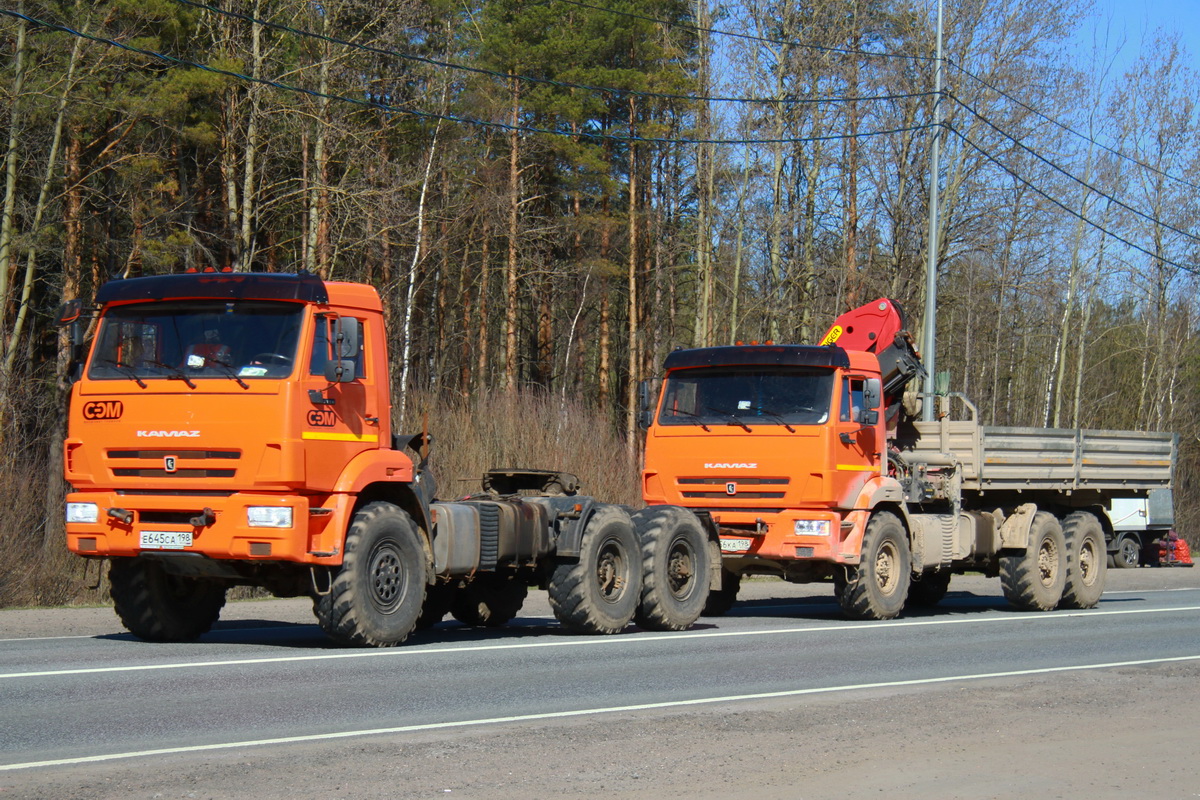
[
  {"x": 856, "y": 444},
  {"x": 341, "y": 419}
]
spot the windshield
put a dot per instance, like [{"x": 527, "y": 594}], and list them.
[
  {"x": 747, "y": 396},
  {"x": 197, "y": 339}
]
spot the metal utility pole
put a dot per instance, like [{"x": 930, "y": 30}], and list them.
[{"x": 929, "y": 339}]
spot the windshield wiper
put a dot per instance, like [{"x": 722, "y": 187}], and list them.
[
  {"x": 228, "y": 372},
  {"x": 733, "y": 418},
  {"x": 175, "y": 373},
  {"x": 693, "y": 416},
  {"x": 125, "y": 369},
  {"x": 773, "y": 415}
]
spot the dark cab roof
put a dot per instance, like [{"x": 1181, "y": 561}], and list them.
[
  {"x": 796, "y": 355},
  {"x": 304, "y": 286}
]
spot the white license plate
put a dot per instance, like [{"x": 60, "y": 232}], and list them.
[
  {"x": 165, "y": 540},
  {"x": 734, "y": 545}
]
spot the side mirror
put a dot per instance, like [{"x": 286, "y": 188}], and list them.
[
  {"x": 68, "y": 312},
  {"x": 342, "y": 368},
  {"x": 647, "y": 399},
  {"x": 868, "y": 416},
  {"x": 872, "y": 393}
]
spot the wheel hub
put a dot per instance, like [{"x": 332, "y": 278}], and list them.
[{"x": 387, "y": 579}]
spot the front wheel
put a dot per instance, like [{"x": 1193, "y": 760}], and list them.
[
  {"x": 377, "y": 596},
  {"x": 878, "y": 587},
  {"x": 1084, "y": 537},
  {"x": 720, "y": 601},
  {"x": 1033, "y": 579},
  {"x": 675, "y": 568},
  {"x": 599, "y": 592},
  {"x": 160, "y": 607}
]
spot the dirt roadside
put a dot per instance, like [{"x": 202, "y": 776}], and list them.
[{"x": 1107, "y": 734}]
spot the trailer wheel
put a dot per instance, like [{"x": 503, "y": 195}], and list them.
[
  {"x": 1128, "y": 553},
  {"x": 878, "y": 587},
  {"x": 160, "y": 607},
  {"x": 674, "y": 568},
  {"x": 720, "y": 601},
  {"x": 599, "y": 592},
  {"x": 1086, "y": 560},
  {"x": 489, "y": 600},
  {"x": 377, "y": 596},
  {"x": 928, "y": 590},
  {"x": 1033, "y": 579},
  {"x": 439, "y": 598}
]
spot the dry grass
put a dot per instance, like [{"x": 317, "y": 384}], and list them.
[{"x": 522, "y": 430}]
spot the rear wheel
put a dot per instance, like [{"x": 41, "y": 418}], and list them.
[
  {"x": 1086, "y": 560},
  {"x": 1128, "y": 554},
  {"x": 1033, "y": 579},
  {"x": 674, "y": 568},
  {"x": 489, "y": 601},
  {"x": 599, "y": 592},
  {"x": 377, "y": 596},
  {"x": 878, "y": 586},
  {"x": 160, "y": 607}
]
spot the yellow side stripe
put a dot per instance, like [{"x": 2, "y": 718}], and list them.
[
  {"x": 339, "y": 437},
  {"x": 856, "y": 468}
]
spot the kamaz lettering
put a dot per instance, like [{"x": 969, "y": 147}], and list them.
[
  {"x": 169, "y": 434},
  {"x": 752, "y": 465}
]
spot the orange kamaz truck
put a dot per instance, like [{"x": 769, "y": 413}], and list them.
[
  {"x": 809, "y": 463},
  {"x": 235, "y": 428}
]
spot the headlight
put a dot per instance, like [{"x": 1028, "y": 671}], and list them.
[
  {"x": 812, "y": 527},
  {"x": 269, "y": 516},
  {"x": 83, "y": 512}
]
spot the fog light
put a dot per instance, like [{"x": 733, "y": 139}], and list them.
[
  {"x": 83, "y": 512},
  {"x": 269, "y": 516}
]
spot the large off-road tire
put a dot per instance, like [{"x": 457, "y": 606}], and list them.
[
  {"x": 1128, "y": 553},
  {"x": 928, "y": 590},
  {"x": 1086, "y": 560},
  {"x": 160, "y": 607},
  {"x": 675, "y": 568},
  {"x": 599, "y": 592},
  {"x": 489, "y": 601},
  {"x": 439, "y": 599},
  {"x": 719, "y": 601},
  {"x": 878, "y": 586},
  {"x": 377, "y": 596},
  {"x": 1033, "y": 578}
]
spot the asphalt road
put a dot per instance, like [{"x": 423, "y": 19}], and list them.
[{"x": 88, "y": 711}]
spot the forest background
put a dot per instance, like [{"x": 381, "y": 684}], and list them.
[{"x": 552, "y": 194}]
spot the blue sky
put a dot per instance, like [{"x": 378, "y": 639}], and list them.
[{"x": 1136, "y": 21}]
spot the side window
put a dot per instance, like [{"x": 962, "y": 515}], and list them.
[
  {"x": 322, "y": 346},
  {"x": 852, "y": 399}
]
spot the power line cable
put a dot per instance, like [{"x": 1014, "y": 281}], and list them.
[
  {"x": 1115, "y": 201},
  {"x": 1068, "y": 128},
  {"x": 748, "y": 36},
  {"x": 609, "y": 90},
  {"x": 429, "y": 115},
  {"x": 1064, "y": 207}
]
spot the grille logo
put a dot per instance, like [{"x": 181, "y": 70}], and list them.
[
  {"x": 169, "y": 463},
  {"x": 731, "y": 488}
]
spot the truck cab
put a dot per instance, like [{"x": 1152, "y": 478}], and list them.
[
  {"x": 225, "y": 420},
  {"x": 776, "y": 443}
]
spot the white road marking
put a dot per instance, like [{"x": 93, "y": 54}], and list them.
[
  {"x": 584, "y": 712},
  {"x": 602, "y": 641}
]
